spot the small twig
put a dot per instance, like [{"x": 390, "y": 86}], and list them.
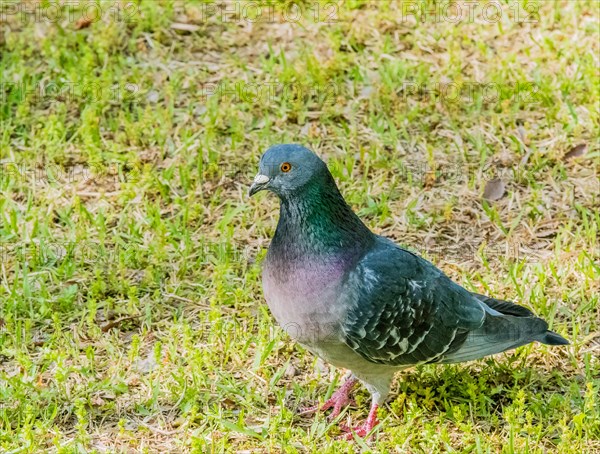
[
  {"x": 97, "y": 194},
  {"x": 111, "y": 325},
  {"x": 179, "y": 298},
  {"x": 157, "y": 430}
]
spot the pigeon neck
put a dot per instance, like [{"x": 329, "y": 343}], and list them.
[{"x": 318, "y": 222}]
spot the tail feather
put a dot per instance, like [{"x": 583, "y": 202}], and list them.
[
  {"x": 504, "y": 307},
  {"x": 498, "y": 334},
  {"x": 552, "y": 338},
  {"x": 506, "y": 326}
]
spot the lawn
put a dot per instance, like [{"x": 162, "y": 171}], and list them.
[{"x": 132, "y": 317}]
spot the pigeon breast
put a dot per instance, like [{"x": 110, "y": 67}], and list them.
[{"x": 301, "y": 296}]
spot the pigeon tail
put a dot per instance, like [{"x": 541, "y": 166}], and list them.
[
  {"x": 509, "y": 308},
  {"x": 552, "y": 338},
  {"x": 501, "y": 333}
]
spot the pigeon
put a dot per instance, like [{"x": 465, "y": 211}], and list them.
[{"x": 362, "y": 303}]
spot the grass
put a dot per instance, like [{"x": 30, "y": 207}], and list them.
[{"x": 131, "y": 311}]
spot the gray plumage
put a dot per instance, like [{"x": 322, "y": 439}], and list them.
[{"x": 360, "y": 301}]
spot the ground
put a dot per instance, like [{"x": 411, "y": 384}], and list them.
[{"x": 131, "y": 311}]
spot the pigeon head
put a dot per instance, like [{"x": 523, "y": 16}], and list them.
[
  {"x": 315, "y": 221},
  {"x": 287, "y": 169}
]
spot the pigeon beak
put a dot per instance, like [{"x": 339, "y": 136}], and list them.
[{"x": 260, "y": 183}]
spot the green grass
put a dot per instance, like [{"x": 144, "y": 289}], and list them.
[{"x": 131, "y": 310}]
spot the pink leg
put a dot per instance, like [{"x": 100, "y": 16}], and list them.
[
  {"x": 364, "y": 429},
  {"x": 338, "y": 400}
]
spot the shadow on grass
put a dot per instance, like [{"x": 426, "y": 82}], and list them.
[{"x": 484, "y": 388}]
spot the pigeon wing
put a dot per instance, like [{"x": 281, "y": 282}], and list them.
[{"x": 402, "y": 310}]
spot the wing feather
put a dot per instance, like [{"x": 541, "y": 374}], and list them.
[{"x": 403, "y": 310}]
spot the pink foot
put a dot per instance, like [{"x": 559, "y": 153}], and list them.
[
  {"x": 364, "y": 429},
  {"x": 338, "y": 400}
]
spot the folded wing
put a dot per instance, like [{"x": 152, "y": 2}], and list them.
[{"x": 402, "y": 310}]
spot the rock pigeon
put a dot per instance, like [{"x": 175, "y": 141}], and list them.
[{"x": 359, "y": 301}]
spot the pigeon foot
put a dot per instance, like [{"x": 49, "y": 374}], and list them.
[
  {"x": 337, "y": 401},
  {"x": 365, "y": 429}
]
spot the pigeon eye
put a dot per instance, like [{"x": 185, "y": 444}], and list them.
[{"x": 286, "y": 167}]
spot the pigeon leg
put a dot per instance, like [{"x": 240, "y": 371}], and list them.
[
  {"x": 364, "y": 429},
  {"x": 338, "y": 400}
]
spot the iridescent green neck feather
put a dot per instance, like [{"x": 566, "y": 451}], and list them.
[{"x": 315, "y": 221}]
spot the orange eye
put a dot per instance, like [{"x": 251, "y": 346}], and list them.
[{"x": 286, "y": 167}]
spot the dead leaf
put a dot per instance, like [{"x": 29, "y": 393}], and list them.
[
  {"x": 365, "y": 92},
  {"x": 229, "y": 403},
  {"x": 133, "y": 381},
  {"x": 494, "y": 189},
  {"x": 290, "y": 372},
  {"x": 152, "y": 97},
  {"x": 576, "y": 151},
  {"x": 97, "y": 401},
  {"x": 548, "y": 233},
  {"x": 429, "y": 179},
  {"x": 84, "y": 22},
  {"x": 146, "y": 365},
  {"x": 184, "y": 27}
]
